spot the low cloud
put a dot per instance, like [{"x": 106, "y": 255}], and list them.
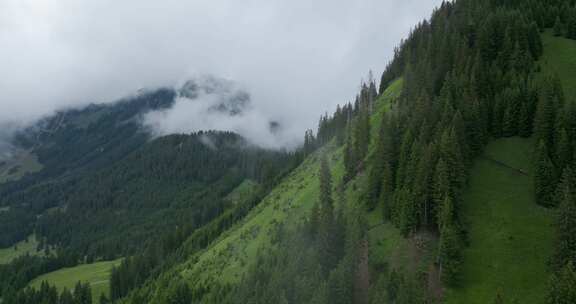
[
  {"x": 211, "y": 103},
  {"x": 296, "y": 58}
]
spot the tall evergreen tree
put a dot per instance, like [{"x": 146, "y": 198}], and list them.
[
  {"x": 565, "y": 251},
  {"x": 544, "y": 176},
  {"x": 349, "y": 156},
  {"x": 561, "y": 286},
  {"x": 558, "y": 27},
  {"x": 326, "y": 231},
  {"x": 450, "y": 245}
]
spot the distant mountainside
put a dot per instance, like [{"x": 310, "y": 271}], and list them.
[{"x": 100, "y": 170}]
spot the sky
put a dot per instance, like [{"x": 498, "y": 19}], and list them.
[{"x": 296, "y": 58}]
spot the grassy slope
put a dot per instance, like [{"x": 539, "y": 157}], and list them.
[
  {"x": 560, "y": 58},
  {"x": 97, "y": 274},
  {"x": 242, "y": 192},
  {"x": 228, "y": 258},
  {"x": 510, "y": 236},
  {"x": 27, "y": 246}
]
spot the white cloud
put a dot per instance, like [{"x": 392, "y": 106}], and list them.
[{"x": 297, "y": 58}]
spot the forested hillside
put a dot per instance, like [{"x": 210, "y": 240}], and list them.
[
  {"x": 109, "y": 190},
  {"x": 452, "y": 181}
]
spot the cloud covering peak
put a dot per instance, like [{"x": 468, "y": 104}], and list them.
[
  {"x": 295, "y": 58},
  {"x": 211, "y": 103}
]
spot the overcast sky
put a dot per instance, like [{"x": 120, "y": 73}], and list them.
[{"x": 297, "y": 58}]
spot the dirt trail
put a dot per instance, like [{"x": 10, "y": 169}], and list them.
[{"x": 502, "y": 164}]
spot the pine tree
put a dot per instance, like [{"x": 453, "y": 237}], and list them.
[
  {"x": 66, "y": 297},
  {"x": 442, "y": 189},
  {"x": 565, "y": 251},
  {"x": 449, "y": 254},
  {"x": 386, "y": 191},
  {"x": 378, "y": 163},
  {"x": 545, "y": 115},
  {"x": 535, "y": 41},
  {"x": 561, "y": 287},
  {"x": 326, "y": 233},
  {"x": 498, "y": 117},
  {"x": 180, "y": 294},
  {"x": 571, "y": 28},
  {"x": 82, "y": 293},
  {"x": 362, "y": 132},
  {"x": 544, "y": 177},
  {"x": 349, "y": 157},
  {"x": 104, "y": 299},
  {"x": 451, "y": 153},
  {"x": 558, "y": 27},
  {"x": 524, "y": 121},
  {"x": 406, "y": 213},
  {"x": 564, "y": 149}
]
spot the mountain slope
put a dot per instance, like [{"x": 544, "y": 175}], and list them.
[
  {"x": 227, "y": 260},
  {"x": 423, "y": 192}
]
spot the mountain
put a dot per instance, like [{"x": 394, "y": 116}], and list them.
[
  {"x": 450, "y": 182},
  {"x": 103, "y": 187}
]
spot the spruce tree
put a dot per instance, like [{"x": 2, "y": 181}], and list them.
[
  {"x": 558, "y": 27},
  {"x": 66, "y": 297},
  {"x": 442, "y": 189},
  {"x": 524, "y": 121},
  {"x": 180, "y": 294},
  {"x": 565, "y": 251},
  {"x": 544, "y": 176},
  {"x": 362, "y": 132},
  {"x": 571, "y": 28},
  {"x": 561, "y": 287},
  {"x": 451, "y": 153},
  {"x": 545, "y": 114},
  {"x": 326, "y": 234},
  {"x": 449, "y": 254},
  {"x": 386, "y": 190},
  {"x": 563, "y": 149},
  {"x": 535, "y": 41},
  {"x": 406, "y": 212},
  {"x": 349, "y": 157}
]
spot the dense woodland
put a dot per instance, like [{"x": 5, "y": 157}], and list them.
[{"x": 471, "y": 74}]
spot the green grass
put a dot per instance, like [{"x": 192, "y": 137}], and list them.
[
  {"x": 97, "y": 274},
  {"x": 384, "y": 103},
  {"x": 510, "y": 236},
  {"x": 27, "y": 246},
  {"x": 560, "y": 58},
  {"x": 244, "y": 191}
]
